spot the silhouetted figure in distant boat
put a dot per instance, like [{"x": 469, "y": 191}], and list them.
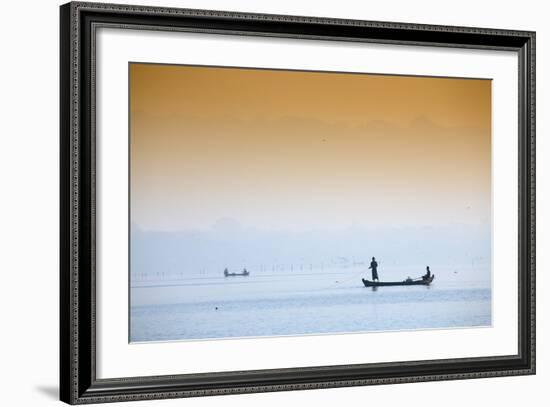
[
  {"x": 225, "y": 272},
  {"x": 428, "y": 274},
  {"x": 374, "y": 267}
]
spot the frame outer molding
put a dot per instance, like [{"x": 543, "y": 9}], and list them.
[{"x": 78, "y": 384}]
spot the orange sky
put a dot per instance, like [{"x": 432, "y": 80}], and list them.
[{"x": 299, "y": 150}]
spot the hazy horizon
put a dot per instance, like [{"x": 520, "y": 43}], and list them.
[{"x": 185, "y": 253}]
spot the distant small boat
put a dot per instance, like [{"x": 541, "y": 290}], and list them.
[
  {"x": 245, "y": 273},
  {"x": 424, "y": 281}
]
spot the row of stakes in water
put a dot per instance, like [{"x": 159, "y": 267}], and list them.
[{"x": 166, "y": 276}]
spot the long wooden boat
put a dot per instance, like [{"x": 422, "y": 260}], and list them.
[{"x": 426, "y": 281}]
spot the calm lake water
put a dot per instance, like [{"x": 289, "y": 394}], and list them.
[{"x": 316, "y": 302}]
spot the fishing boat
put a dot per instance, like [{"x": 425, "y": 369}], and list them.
[
  {"x": 408, "y": 281},
  {"x": 245, "y": 273}
]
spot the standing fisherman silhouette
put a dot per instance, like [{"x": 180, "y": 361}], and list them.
[{"x": 374, "y": 267}]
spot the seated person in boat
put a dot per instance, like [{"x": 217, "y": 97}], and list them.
[
  {"x": 374, "y": 267},
  {"x": 428, "y": 274}
]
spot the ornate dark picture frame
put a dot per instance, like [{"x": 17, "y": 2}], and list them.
[{"x": 78, "y": 381}]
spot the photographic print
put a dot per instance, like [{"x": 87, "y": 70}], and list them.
[{"x": 270, "y": 202}]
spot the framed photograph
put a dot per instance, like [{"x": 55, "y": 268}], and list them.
[{"x": 255, "y": 203}]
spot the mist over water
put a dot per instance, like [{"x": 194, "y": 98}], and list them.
[
  {"x": 305, "y": 282},
  {"x": 232, "y": 245}
]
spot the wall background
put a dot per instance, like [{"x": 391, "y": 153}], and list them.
[{"x": 29, "y": 205}]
